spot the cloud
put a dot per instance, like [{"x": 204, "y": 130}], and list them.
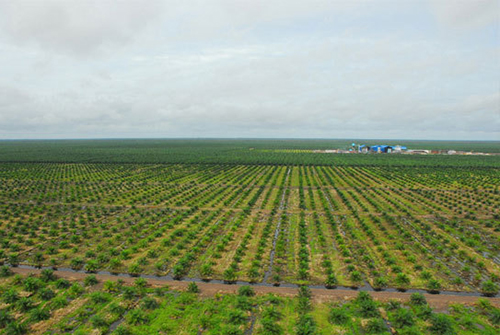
[
  {"x": 463, "y": 14},
  {"x": 243, "y": 69},
  {"x": 75, "y": 27},
  {"x": 11, "y": 97},
  {"x": 78, "y": 28}
]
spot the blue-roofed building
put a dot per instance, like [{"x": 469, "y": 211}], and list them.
[
  {"x": 362, "y": 148},
  {"x": 381, "y": 148}
]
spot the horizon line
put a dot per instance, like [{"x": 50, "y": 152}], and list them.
[{"x": 237, "y": 138}]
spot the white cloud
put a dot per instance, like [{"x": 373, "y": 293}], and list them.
[
  {"x": 466, "y": 14},
  {"x": 245, "y": 68},
  {"x": 75, "y": 27}
]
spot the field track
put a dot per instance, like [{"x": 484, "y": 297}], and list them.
[{"x": 437, "y": 301}]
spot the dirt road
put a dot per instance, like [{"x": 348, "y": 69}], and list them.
[{"x": 437, "y": 301}]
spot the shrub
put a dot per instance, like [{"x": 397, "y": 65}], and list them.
[
  {"x": 368, "y": 309},
  {"x": 150, "y": 303},
  {"x": 424, "y": 312},
  {"x": 75, "y": 289},
  {"x": 137, "y": 317},
  {"x": 403, "y": 318},
  {"x": 122, "y": 330},
  {"x": 32, "y": 284},
  {"x": 356, "y": 276},
  {"x": 206, "y": 270},
  {"x": 306, "y": 325},
  {"x": 243, "y": 303},
  {"x": 47, "y": 294},
  {"x": 305, "y": 292},
  {"x": 380, "y": 282},
  {"x": 76, "y": 263},
  {"x": 135, "y": 269},
  {"x": 5, "y": 318},
  {"x": 115, "y": 263},
  {"x": 47, "y": 275},
  {"x": 91, "y": 266},
  {"x": 418, "y": 299},
  {"x": 366, "y": 306},
  {"x": 90, "y": 280},
  {"x": 193, "y": 288},
  {"x": 17, "y": 279},
  {"x": 39, "y": 314},
  {"x": 160, "y": 291},
  {"x": 375, "y": 326},
  {"x": 331, "y": 281},
  {"x": 236, "y": 317},
  {"x": 24, "y": 304},
  {"x": 304, "y": 305},
  {"x": 483, "y": 304},
  {"x": 409, "y": 331},
  {"x": 16, "y": 328},
  {"x": 393, "y": 305},
  {"x": 98, "y": 297},
  {"x": 98, "y": 322},
  {"x": 271, "y": 313},
  {"x": 402, "y": 280},
  {"x": 253, "y": 274},
  {"x": 10, "y": 296},
  {"x": 489, "y": 288},
  {"x": 274, "y": 300},
  {"x": 229, "y": 275},
  {"x": 246, "y": 291},
  {"x": 129, "y": 293},
  {"x": 364, "y": 296},
  {"x": 111, "y": 286},
  {"x": 62, "y": 283},
  {"x": 116, "y": 308},
  {"x": 13, "y": 259},
  {"x": 271, "y": 327},
  {"x": 59, "y": 302},
  {"x": 441, "y": 325},
  {"x": 231, "y": 330},
  {"x": 140, "y": 283},
  {"x": 494, "y": 316},
  {"x": 433, "y": 285},
  {"x": 5, "y": 271},
  {"x": 338, "y": 316}
]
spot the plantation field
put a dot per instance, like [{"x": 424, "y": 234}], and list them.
[
  {"x": 46, "y": 304},
  {"x": 381, "y": 226},
  {"x": 241, "y": 151}
]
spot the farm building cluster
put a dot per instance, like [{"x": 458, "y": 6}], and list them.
[
  {"x": 376, "y": 148},
  {"x": 395, "y": 149},
  {"x": 380, "y": 148}
]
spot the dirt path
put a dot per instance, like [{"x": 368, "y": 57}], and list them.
[{"x": 437, "y": 301}]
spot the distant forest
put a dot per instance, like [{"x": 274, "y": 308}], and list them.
[{"x": 240, "y": 151}]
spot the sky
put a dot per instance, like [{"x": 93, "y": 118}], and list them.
[{"x": 401, "y": 69}]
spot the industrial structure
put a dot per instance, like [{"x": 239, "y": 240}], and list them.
[
  {"x": 396, "y": 149},
  {"x": 380, "y": 148}
]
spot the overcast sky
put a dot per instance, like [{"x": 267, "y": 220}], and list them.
[{"x": 250, "y": 68}]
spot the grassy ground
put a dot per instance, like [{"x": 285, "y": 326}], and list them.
[{"x": 45, "y": 304}]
